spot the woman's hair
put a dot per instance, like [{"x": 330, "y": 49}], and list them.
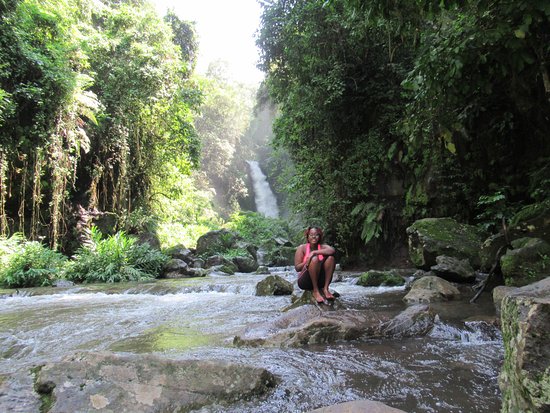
[{"x": 319, "y": 231}]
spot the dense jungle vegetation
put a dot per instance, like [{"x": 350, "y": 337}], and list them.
[
  {"x": 397, "y": 110},
  {"x": 386, "y": 112}
]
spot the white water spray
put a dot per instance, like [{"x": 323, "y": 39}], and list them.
[{"x": 266, "y": 203}]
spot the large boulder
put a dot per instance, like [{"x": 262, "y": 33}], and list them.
[
  {"x": 431, "y": 288},
  {"x": 274, "y": 285},
  {"x": 216, "y": 242},
  {"x": 307, "y": 325},
  {"x": 430, "y": 237},
  {"x": 527, "y": 262},
  {"x": 525, "y": 374},
  {"x": 358, "y": 406},
  {"x": 245, "y": 263},
  {"x": 109, "y": 382}
]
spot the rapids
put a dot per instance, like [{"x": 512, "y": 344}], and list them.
[{"x": 454, "y": 369}]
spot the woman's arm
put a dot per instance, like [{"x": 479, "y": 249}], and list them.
[
  {"x": 299, "y": 258},
  {"x": 324, "y": 250}
]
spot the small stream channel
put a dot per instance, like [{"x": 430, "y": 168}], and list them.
[{"x": 454, "y": 369}]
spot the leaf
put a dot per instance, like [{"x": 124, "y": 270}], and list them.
[{"x": 520, "y": 34}]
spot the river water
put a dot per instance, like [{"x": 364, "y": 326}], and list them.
[{"x": 454, "y": 369}]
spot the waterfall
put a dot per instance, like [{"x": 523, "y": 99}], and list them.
[{"x": 266, "y": 203}]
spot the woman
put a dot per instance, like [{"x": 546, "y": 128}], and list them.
[{"x": 315, "y": 264}]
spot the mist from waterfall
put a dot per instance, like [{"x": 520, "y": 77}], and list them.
[{"x": 265, "y": 200}]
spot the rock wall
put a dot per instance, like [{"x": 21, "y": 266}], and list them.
[{"x": 525, "y": 375}]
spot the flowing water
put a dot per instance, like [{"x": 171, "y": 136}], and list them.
[
  {"x": 454, "y": 369},
  {"x": 265, "y": 200}
]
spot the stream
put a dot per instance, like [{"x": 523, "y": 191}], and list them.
[{"x": 453, "y": 369}]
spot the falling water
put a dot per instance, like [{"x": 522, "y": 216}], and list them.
[{"x": 266, "y": 203}]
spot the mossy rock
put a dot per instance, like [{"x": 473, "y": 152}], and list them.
[
  {"x": 430, "y": 237},
  {"x": 527, "y": 262},
  {"x": 380, "y": 278},
  {"x": 274, "y": 285}
]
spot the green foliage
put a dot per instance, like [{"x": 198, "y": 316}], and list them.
[
  {"x": 494, "y": 210},
  {"x": 423, "y": 107},
  {"x": 28, "y": 264},
  {"x": 114, "y": 259},
  {"x": 371, "y": 215},
  {"x": 256, "y": 228}
]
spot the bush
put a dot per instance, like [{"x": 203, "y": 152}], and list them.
[
  {"x": 28, "y": 264},
  {"x": 114, "y": 259},
  {"x": 256, "y": 228}
]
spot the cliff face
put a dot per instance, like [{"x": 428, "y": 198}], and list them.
[{"x": 525, "y": 375}]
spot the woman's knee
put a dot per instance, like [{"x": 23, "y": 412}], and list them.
[{"x": 330, "y": 261}]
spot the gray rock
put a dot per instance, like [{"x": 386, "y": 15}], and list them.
[
  {"x": 245, "y": 264},
  {"x": 525, "y": 374},
  {"x": 274, "y": 285},
  {"x": 453, "y": 269},
  {"x": 417, "y": 320},
  {"x": 527, "y": 262},
  {"x": 262, "y": 269},
  {"x": 175, "y": 268},
  {"x": 429, "y": 289},
  {"x": 358, "y": 406},
  {"x": 110, "y": 382}
]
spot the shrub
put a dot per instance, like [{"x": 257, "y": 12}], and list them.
[
  {"x": 29, "y": 264},
  {"x": 114, "y": 259},
  {"x": 256, "y": 228}
]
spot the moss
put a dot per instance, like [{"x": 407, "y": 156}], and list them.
[
  {"x": 162, "y": 339},
  {"x": 44, "y": 390},
  {"x": 380, "y": 278}
]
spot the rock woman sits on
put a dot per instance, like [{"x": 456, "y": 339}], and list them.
[{"x": 315, "y": 264}]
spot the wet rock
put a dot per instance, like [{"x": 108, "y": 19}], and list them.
[
  {"x": 306, "y": 298},
  {"x": 417, "y": 320},
  {"x": 429, "y": 289},
  {"x": 358, "y": 406},
  {"x": 307, "y": 325},
  {"x": 111, "y": 382},
  {"x": 245, "y": 264},
  {"x": 527, "y": 262},
  {"x": 262, "y": 269},
  {"x": 62, "y": 283},
  {"x": 498, "y": 295},
  {"x": 17, "y": 394},
  {"x": 453, "y": 269},
  {"x": 380, "y": 278},
  {"x": 430, "y": 237},
  {"x": 274, "y": 285},
  {"x": 525, "y": 374}
]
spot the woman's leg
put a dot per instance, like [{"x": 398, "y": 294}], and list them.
[
  {"x": 314, "y": 270},
  {"x": 328, "y": 265}
]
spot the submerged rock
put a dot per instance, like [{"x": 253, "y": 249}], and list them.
[{"x": 112, "y": 382}]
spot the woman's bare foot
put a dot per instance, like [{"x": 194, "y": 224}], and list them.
[
  {"x": 318, "y": 297},
  {"x": 328, "y": 294}
]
